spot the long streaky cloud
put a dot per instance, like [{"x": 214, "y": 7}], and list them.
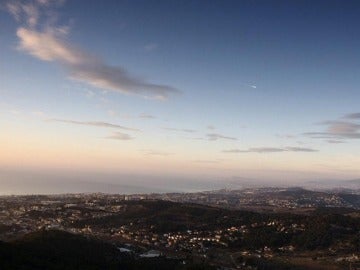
[
  {"x": 270, "y": 150},
  {"x": 352, "y": 116},
  {"x": 256, "y": 150},
  {"x": 335, "y": 141},
  {"x": 50, "y": 44},
  {"x": 337, "y": 130},
  {"x": 300, "y": 149},
  {"x": 327, "y": 135},
  {"x": 93, "y": 123},
  {"x": 180, "y": 129},
  {"x": 216, "y": 136},
  {"x": 340, "y": 127}
]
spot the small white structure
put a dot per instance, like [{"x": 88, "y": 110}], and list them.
[
  {"x": 124, "y": 250},
  {"x": 151, "y": 254}
]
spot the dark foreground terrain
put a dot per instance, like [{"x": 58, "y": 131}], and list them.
[
  {"x": 99, "y": 231},
  {"x": 62, "y": 250}
]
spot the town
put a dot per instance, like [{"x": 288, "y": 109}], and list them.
[{"x": 202, "y": 227}]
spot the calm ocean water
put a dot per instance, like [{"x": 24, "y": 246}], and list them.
[{"x": 29, "y": 182}]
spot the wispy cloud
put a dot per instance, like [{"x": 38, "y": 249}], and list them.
[
  {"x": 50, "y": 43},
  {"x": 256, "y": 150},
  {"x": 93, "y": 123},
  {"x": 300, "y": 149},
  {"x": 28, "y": 12},
  {"x": 270, "y": 150},
  {"x": 120, "y": 136},
  {"x": 216, "y": 136},
  {"x": 339, "y": 127},
  {"x": 180, "y": 129},
  {"x": 249, "y": 85},
  {"x": 335, "y": 141},
  {"x": 337, "y": 130},
  {"x": 146, "y": 116},
  {"x": 286, "y": 136},
  {"x": 352, "y": 116}
]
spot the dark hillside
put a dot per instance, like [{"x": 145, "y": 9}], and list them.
[{"x": 57, "y": 250}]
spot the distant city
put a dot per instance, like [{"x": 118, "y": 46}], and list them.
[{"x": 271, "y": 225}]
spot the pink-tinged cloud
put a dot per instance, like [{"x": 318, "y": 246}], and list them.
[
  {"x": 338, "y": 130},
  {"x": 271, "y": 150},
  {"x": 50, "y": 44}
]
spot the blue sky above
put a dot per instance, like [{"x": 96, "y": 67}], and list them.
[{"x": 224, "y": 88}]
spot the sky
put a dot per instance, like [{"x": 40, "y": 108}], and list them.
[{"x": 177, "y": 92}]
